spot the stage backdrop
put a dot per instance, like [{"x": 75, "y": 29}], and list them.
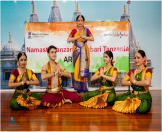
[{"x": 108, "y": 35}]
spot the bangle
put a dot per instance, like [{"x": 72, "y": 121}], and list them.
[
  {"x": 22, "y": 83},
  {"x": 27, "y": 82},
  {"x": 54, "y": 73},
  {"x": 129, "y": 83},
  {"x": 134, "y": 82}
]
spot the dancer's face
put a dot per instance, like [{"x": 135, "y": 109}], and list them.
[
  {"x": 22, "y": 61},
  {"x": 52, "y": 54},
  {"x": 80, "y": 22},
  {"x": 138, "y": 59},
  {"x": 106, "y": 58}
]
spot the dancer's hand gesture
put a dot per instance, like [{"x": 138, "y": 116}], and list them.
[
  {"x": 101, "y": 71},
  {"x": 24, "y": 78},
  {"x": 132, "y": 77}
]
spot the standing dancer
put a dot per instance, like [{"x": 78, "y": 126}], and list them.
[{"x": 81, "y": 55}]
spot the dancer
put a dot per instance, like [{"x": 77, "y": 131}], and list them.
[
  {"x": 139, "y": 101},
  {"x": 55, "y": 95},
  {"x": 106, "y": 94},
  {"x": 81, "y": 54},
  {"x": 20, "y": 79}
]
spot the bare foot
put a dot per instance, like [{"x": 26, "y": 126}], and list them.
[{"x": 68, "y": 101}]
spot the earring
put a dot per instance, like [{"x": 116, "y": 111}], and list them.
[
  {"x": 112, "y": 62},
  {"x": 145, "y": 62}
]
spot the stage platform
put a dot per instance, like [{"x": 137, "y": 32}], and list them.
[{"x": 73, "y": 117}]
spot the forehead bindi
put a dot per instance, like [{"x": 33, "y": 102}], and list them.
[{"x": 22, "y": 57}]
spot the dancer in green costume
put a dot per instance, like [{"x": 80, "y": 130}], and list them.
[
  {"x": 106, "y": 93},
  {"x": 20, "y": 79},
  {"x": 139, "y": 101}
]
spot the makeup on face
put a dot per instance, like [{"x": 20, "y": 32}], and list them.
[
  {"x": 138, "y": 59},
  {"x": 80, "y": 21},
  {"x": 22, "y": 61},
  {"x": 106, "y": 58}
]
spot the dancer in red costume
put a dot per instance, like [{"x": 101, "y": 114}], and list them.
[{"x": 55, "y": 95}]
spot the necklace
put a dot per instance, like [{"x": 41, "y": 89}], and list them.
[
  {"x": 138, "y": 70},
  {"x": 80, "y": 29},
  {"x": 104, "y": 79},
  {"x": 107, "y": 67},
  {"x": 54, "y": 67},
  {"x": 19, "y": 70}
]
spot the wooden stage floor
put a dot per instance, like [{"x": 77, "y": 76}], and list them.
[{"x": 73, "y": 117}]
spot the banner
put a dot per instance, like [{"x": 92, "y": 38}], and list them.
[{"x": 109, "y": 35}]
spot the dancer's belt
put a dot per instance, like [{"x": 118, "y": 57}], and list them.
[
  {"x": 53, "y": 90},
  {"x": 79, "y": 44},
  {"x": 104, "y": 87},
  {"x": 140, "y": 92},
  {"x": 21, "y": 91}
]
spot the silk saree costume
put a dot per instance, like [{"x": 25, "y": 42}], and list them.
[
  {"x": 105, "y": 95},
  {"x": 81, "y": 60},
  {"x": 56, "y": 96},
  {"x": 23, "y": 97},
  {"x": 140, "y": 100}
]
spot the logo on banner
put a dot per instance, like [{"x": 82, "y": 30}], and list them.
[
  {"x": 116, "y": 34},
  {"x": 29, "y": 35}
]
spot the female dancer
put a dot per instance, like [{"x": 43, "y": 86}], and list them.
[
  {"x": 106, "y": 93},
  {"x": 81, "y": 54},
  {"x": 139, "y": 101},
  {"x": 20, "y": 79}
]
